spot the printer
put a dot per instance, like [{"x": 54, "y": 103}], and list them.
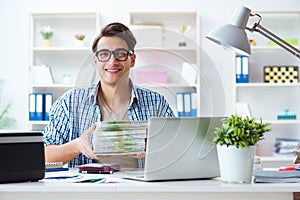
[{"x": 21, "y": 156}]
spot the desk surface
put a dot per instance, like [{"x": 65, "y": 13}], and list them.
[{"x": 116, "y": 187}]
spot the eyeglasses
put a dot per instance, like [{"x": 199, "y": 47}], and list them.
[{"x": 104, "y": 55}]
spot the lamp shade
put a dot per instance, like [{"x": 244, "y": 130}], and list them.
[{"x": 233, "y": 35}]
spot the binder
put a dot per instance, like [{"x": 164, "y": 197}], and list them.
[
  {"x": 39, "y": 106},
  {"x": 47, "y": 103},
  {"x": 194, "y": 104},
  {"x": 179, "y": 100},
  {"x": 32, "y": 111},
  {"x": 242, "y": 69},
  {"x": 186, "y": 104}
]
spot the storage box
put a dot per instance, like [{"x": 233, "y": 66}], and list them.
[
  {"x": 21, "y": 156},
  {"x": 281, "y": 74},
  {"x": 153, "y": 33},
  {"x": 151, "y": 77}
]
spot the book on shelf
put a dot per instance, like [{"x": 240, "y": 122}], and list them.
[
  {"x": 189, "y": 73},
  {"x": 41, "y": 75}
]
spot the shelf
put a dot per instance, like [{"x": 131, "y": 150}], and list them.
[
  {"x": 265, "y": 100},
  {"x": 65, "y": 56},
  {"x": 161, "y": 51},
  {"x": 166, "y": 19},
  {"x": 166, "y": 48},
  {"x": 249, "y": 85},
  {"x": 276, "y": 12},
  {"x": 266, "y": 47},
  {"x": 52, "y": 86},
  {"x": 285, "y": 24},
  {"x": 38, "y": 122},
  {"x": 282, "y": 122},
  {"x": 161, "y": 28},
  {"x": 59, "y": 49},
  {"x": 169, "y": 85},
  {"x": 58, "y": 14}
]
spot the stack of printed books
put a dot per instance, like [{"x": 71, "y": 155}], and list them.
[
  {"x": 291, "y": 176},
  {"x": 120, "y": 137}
]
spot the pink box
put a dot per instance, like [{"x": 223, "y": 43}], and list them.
[{"x": 143, "y": 77}]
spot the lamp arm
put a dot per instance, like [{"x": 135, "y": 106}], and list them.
[{"x": 271, "y": 36}]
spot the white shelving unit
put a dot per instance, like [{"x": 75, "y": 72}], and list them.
[
  {"x": 64, "y": 56},
  {"x": 266, "y": 99},
  {"x": 158, "y": 49}
]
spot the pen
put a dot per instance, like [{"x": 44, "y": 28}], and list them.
[
  {"x": 96, "y": 172},
  {"x": 289, "y": 167},
  {"x": 63, "y": 177},
  {"x": 93, "y": 180},
  {"x": 56, "y": 169}
]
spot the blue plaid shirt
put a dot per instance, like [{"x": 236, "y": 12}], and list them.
[{"x": 76, "y": 111}]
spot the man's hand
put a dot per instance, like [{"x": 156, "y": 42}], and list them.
[{"x": 85, "y": 146}]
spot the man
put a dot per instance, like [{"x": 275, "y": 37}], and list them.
[{"x": 73, "y": 115}]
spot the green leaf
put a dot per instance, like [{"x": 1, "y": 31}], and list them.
[{"x": 240, "y": 132}]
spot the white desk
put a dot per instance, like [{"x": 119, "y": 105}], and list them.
[{"x": 127, "y": 189}]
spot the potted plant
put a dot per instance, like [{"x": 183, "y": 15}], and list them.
[
  {"x": 236, "y": 143},
  {"x": 79, "y": 39},
  {"x": 47, "y": 34},
  {"x": 5, "y": 121}
]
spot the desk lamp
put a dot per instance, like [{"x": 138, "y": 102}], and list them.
[{"x": 233, "y": 34}]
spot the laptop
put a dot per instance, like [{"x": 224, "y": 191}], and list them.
[{"x": 179, "y": 149}]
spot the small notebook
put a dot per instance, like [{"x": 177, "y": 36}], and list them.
[
  {"x": 55, "y": 166},
  {"x": 99, "y": 168}
]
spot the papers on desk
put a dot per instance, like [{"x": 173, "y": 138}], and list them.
[
  {"x": 74, "y": 177},
  {"x": 277, "y": 176}
]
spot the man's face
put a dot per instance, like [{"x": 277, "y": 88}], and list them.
[{"x": 112, "y": 70}]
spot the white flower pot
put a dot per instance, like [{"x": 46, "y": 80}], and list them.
[
  {"x": 46, "y": 43},
  {"x": 79, "y": 43},
  {"x": 236, "y": 164}
]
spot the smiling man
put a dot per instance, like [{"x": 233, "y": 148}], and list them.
[{"x": 73, "y": 116}]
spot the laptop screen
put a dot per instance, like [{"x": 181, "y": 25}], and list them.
[{"x": 180, "y": 148}]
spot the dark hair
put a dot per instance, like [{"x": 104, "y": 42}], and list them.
[{"x": 116, "y": 29}]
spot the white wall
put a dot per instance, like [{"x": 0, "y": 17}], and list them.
[{"x": 14, "y": 16}]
